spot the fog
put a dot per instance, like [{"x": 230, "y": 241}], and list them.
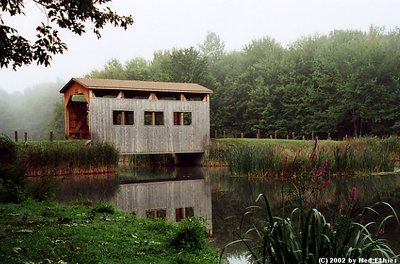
[{"x": 30, "y": 111}]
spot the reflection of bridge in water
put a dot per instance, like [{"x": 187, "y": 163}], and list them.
[
  {"x": 175, "y": 194},
  {"x": 173, "y": 198}
]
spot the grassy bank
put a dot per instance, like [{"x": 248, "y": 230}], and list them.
[
  {"x": 66, "y": 157},
  {"x": 34, "y": 232},
  {"x": 281, "y": 158}
]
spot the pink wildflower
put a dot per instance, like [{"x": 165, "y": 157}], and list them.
[
  {"x": 353, "y": 196},
  {"x": 285, "y": 161},
  {"x": 359, "y": 216},
  {"x": 382, "y": 231},
  {"x": 314, "y": 156}
]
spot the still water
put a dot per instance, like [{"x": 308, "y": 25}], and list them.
[{"x": 216, "y": 195}]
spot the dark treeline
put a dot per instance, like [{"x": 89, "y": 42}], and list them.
[{"x": 345, "y": 83}]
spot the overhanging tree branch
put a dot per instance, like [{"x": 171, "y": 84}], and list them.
[{"x": 72, "y": 15}]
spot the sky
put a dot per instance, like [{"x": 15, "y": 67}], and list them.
[{"x": 163, "y": 25}]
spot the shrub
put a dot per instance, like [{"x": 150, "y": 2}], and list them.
[{"x": 42, "y": 188}]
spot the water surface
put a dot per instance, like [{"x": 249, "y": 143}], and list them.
[{"x": 219, "y": 197}]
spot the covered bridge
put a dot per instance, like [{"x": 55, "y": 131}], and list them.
[{"x": 138, "y": 117}]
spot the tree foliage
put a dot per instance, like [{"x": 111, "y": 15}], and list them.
[{"x": 16, "y": 50}]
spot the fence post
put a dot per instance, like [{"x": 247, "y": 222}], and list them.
[
  {"x": 293, "y": 135},
  {"x": 16, "y": 136},
  {"x": 215, "y": 133},
  {"x": 224, "y": 134},
  {"x": 258, "y": 133},
  {"x": 26, "y": 136},
  {"x": 276, "y": 134},
  {"x": 329, "y": 136},
  {"x": 312, "y": 135},
  {"x": 287, "y": 137},
  {"x": 242, "y": 135},
  {"x": 51, "y": 136}
]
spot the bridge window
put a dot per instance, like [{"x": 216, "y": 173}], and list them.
[
  {"x": 153, "y": 118},
  {"x": 182, "y": 118},
  {"x": 156, "y": 213},
  {"x": 181, "y": 213},
  {"x": 195, "y": 97},
  {"x": 105, "y": 93},
  {"x": 123, "y": 118},
  {"x": 136, "y": 94},
  {"x": 168, "y": 96}
]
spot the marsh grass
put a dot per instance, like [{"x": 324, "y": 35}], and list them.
[
  {"x": 67, "y": 157},
  {"x": 292, "y": 158}
]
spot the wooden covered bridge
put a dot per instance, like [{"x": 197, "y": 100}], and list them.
[{"x": 138, "y": 117}]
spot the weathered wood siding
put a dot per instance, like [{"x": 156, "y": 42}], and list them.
[
  {"x": 147, "y": 139},
  {"x": 140, "y": 197}
]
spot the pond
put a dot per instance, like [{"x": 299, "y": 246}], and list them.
[{"x": 215, "y": 194}]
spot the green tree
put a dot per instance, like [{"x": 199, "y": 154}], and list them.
[
  {"x": 213, "y": 48},
  {"x": 186, "y": 65},
  {"x": 245, "y": 87},
  {"x": 113, "y": 69},
  {"x": 16, "y": 50},
  {"x": 137, "y": 69}
]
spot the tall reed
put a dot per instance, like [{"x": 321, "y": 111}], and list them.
[
  {"x": 68, "y": 157},
  {"x": 250, "y": 159}
]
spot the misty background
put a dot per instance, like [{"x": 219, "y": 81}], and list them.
[{"x": 33, "y": 111}]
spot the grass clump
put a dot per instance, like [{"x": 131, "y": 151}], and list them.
[
  {"x": 37, "y": 232},
  {"x": 104, "y": 208},
  {"x": 190, "y": 235}
]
